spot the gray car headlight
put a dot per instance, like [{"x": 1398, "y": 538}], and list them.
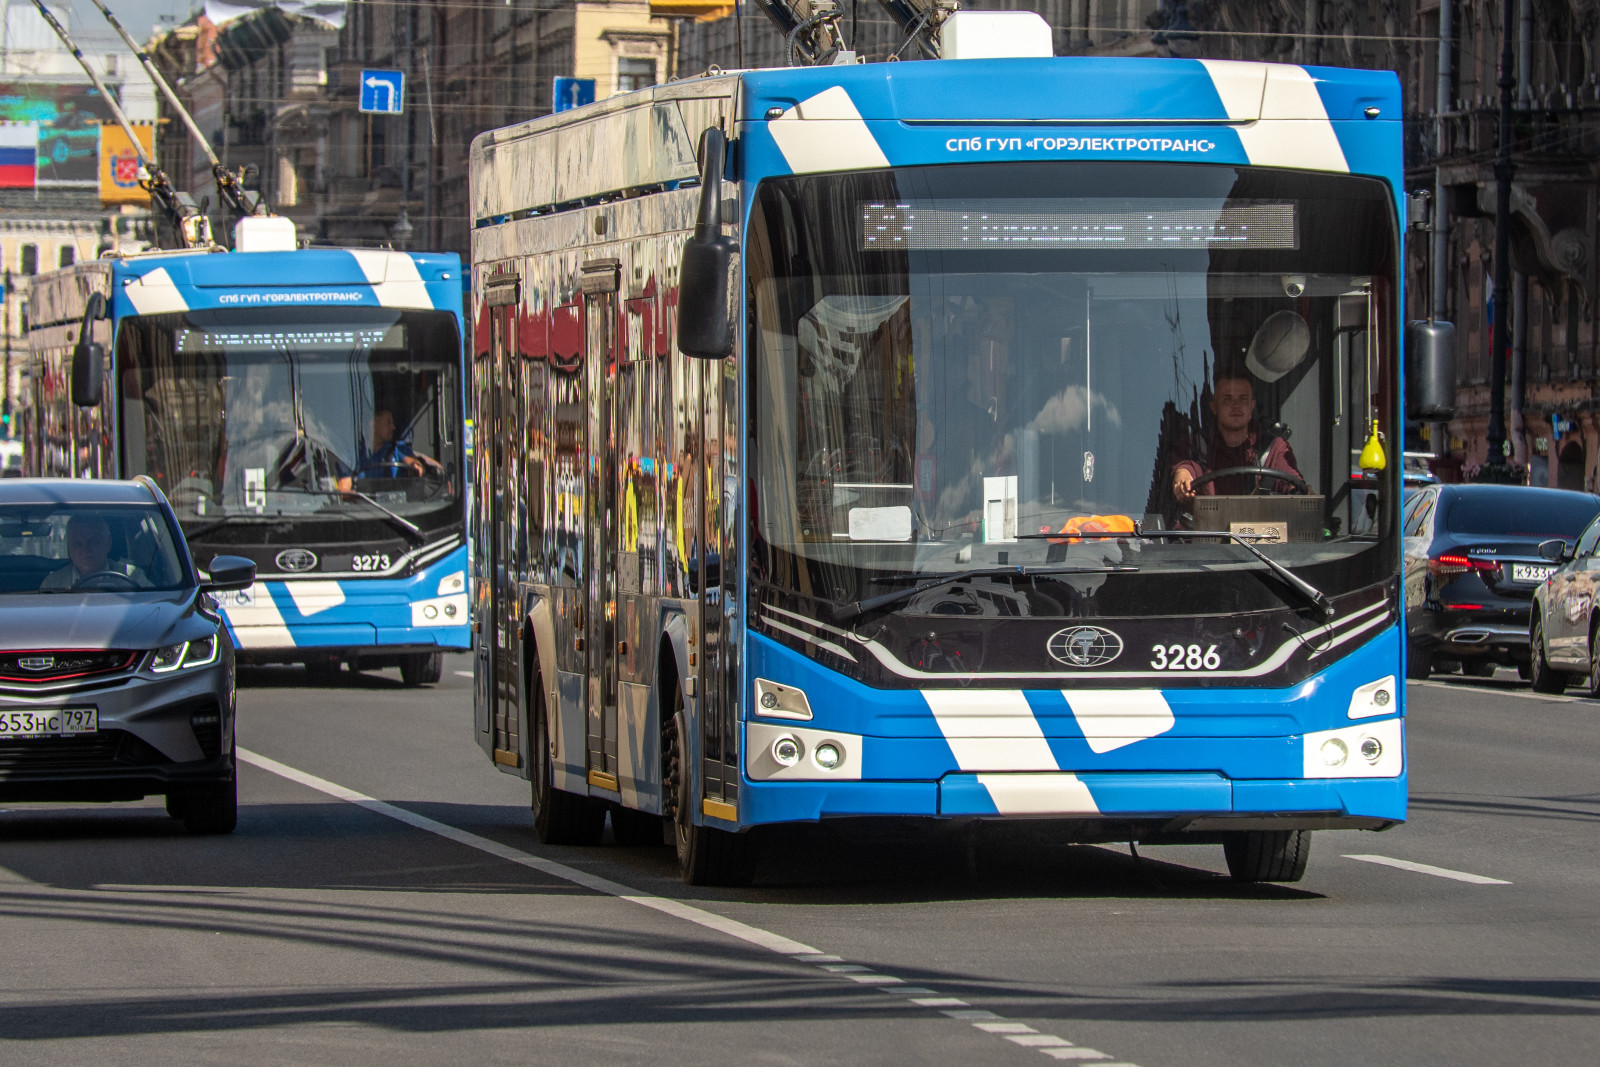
[{"x": 197, "y": 653}]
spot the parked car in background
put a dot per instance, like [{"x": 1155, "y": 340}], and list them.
[
  {"x": 1562, "y": 630},
  {"x": 116, "y": 675},
  {"x": 1472, "y": 563}
]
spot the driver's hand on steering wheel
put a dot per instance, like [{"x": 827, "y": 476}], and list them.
[{"x": 1183, "y": 486}]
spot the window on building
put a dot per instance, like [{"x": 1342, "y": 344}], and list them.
[
  {"x": 635, "y": 74},
  {"x": 67, "y": 256},
  {"x": 30, "y": 259}
]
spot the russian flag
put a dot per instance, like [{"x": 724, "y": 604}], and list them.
[{"x": 19, "y": 154}]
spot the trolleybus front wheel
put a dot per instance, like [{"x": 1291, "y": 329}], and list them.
[
  {"x": 706, "y": 856},
  {"x": 421, "y": 668},
  {"x": 1267, "y": 855},
  {"x": 559, "y": 817}
]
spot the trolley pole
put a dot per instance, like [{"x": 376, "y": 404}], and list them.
[{"x": 1495, "y": 467}]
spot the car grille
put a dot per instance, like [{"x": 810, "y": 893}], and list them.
[
  {"x": 106, "y": 750},
  {"x": 58, "y": 665}
]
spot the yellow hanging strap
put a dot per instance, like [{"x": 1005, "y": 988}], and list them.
[{"x": 1372, "y": 456}]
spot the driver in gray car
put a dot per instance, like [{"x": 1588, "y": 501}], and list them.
[
  {"x": 89, "y": 549},
  {"x": 1236, "y": 441}
]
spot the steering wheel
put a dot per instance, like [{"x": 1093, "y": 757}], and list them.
[
  {"x": 118, "y": 575},
  {"x": 1295, "y": 480}
]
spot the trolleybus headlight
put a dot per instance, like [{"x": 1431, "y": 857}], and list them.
[
  {"x": 449, "y": 611},
  {"x": 828, "y": 755},
  {"x": 1334, "y": 752},
  {"x": 786, "y": 750},
  {"x": 430, "y": 612},
  {"x": 1371, "y": 749},
  {"x": 1381, "y": 698},
  {"x": 769, "y": 700}
]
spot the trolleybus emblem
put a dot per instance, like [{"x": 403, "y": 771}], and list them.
[
  {"x": 296, "y": 559},
  {"x": 1084, "y": 646}
]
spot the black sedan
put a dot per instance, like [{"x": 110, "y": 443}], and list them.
[
  {"x": 116, "y": 674},
  {"x": 1472, "y": 564}
]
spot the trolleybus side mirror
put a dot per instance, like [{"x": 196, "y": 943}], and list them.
[
  {"x": 1430, "y": 370},
  {"x": 705, "y": 315},
  {"x": 88, "y": 358}
]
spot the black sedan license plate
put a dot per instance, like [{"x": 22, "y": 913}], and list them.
[{"x": 49, "y": 722}]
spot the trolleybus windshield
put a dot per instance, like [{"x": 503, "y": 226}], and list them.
[
  {"x": 297, "y": 411},
  {"x": 952, "y": 365}
]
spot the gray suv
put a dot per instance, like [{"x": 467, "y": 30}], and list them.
[{"x": 116, "y": 673}]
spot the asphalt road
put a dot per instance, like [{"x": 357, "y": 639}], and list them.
[{"x": 383, "y": 901}]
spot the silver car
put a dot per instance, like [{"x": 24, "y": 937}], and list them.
[{"x": 116, "y": 674}]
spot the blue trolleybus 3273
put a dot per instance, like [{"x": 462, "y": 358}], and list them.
[
  {"x": 302, "y": 408},
  {"x": 1037, "y": 470}
]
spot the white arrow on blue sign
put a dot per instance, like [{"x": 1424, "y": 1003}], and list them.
[{"x": 383, "y": 91}]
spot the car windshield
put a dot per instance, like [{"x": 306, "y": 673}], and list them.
[
  {"x": 77, "y": 548},
  {"x": 944, "y": 372},
  {"x": 273, "y": 411},
  {"x": 1519, "y": 512}
]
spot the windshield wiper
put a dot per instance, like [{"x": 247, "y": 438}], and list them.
[
  {"x": 1314, "y": 596},
  {"x": 846, "y": 612},
  {"x": 412, "y": 529},
  {"x": 409, "y": 528}
]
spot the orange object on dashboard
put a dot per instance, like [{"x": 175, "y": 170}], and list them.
[{"x": 1100, "y": 524}]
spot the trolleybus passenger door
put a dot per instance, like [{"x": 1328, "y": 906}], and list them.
[
  {"x": 601, "y": 363},
  {"x": 505, "y": 676},
  {"x": 717, "y": 582}
]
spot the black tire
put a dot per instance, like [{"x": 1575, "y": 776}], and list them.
[
  {"x": 559, "y": 817},
  {"x": 421, "y": 668},
  {"x": 1419, "y": 663},
  {"x": 706, "y": 856},
  {"x": 209, "y": 809},
  {"x": 1592, "y": 680},
  {"x": 1267, "y": 855},
  {"x": 634, "y": 829},
  {"x": 1543, "y": 677},
  {"x": 1525, "y": 671},
  {"x": 1478, "y": 668}
]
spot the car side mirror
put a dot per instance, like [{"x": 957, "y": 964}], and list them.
[
  {"x": 1430, "y": 370},
  {"x": 228, "y": 573},
  {"x": 1554, "y": 550},
  {"x": 88, "y": 374},
  {"x": 705, "y": 312}
]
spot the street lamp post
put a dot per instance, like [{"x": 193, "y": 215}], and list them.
[{"x": 1495, "y": 467}]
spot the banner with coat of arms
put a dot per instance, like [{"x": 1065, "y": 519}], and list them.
[{"x": 119, "y": 163}]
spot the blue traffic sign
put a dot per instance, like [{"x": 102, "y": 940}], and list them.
[
  {"x": 383, "y": 91},
  {"x": 573, "y": 92}
]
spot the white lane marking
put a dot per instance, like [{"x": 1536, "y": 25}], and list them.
[
  {"x": 1463, "y": 687},
  {"x": 832, "y": 966},
  {"x": 733, "y": 928},
  {"x": 1424, "y": 868},
  {"x": 462, "y": 674}
]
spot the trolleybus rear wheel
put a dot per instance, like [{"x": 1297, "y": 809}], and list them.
[
  {"x": 559, "y": 817},
  {"x": 706, "y": 856},
  {"x": 1267, "y": 855}
]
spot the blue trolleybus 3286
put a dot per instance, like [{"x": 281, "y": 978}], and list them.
[
  {"x": 964, "y": 439},
  {"x": 302, "y": 408}
]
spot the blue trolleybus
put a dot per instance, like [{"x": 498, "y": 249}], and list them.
[
  {"x": 964, "y": 439},
  {"x": 300, "y": 408}
]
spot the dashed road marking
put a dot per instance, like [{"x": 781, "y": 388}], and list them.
[
  {"x": 1467, "y": 687},
  {"x": 1424, "y": 868},
  {"x": 824, "y": 963},
  {"x": 462, "y": 674}
]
